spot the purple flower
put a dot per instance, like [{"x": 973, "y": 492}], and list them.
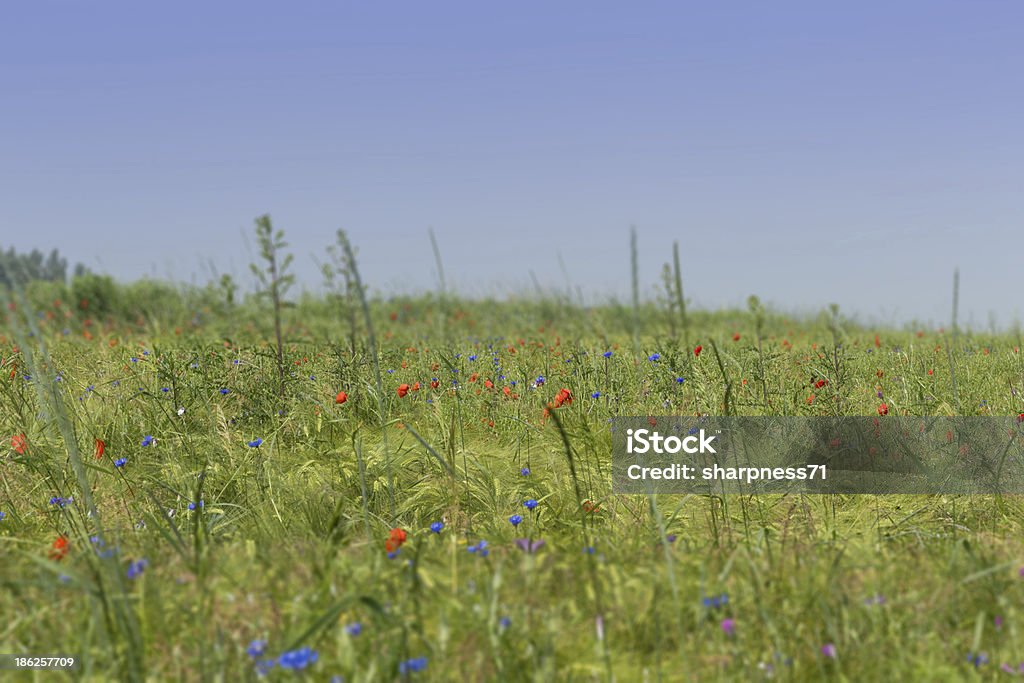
[
  {"x": 829, "y": 650},
  {"x": 528, "y": 546},
  {"x": 728, "y": 626}
]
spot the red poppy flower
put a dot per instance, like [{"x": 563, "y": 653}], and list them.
[
  {"x": 403, "y": 389},
  {"x": 19, "y": 443},
  {"x": 59, "y": 549},
  {"x": 434, "y": 384},
  {"x": 736, "y": 337},
  {"x": 820, "y": 383},
  {"x": 696, "y": 351},
  {"x": 340, "y": 398},
  {"x": 415, "y": 387},
  {"x": 489, "y": 384},
  {"x": 395, "y": 540},
  {"x": 564, "y": 396},
  {"x": 100, "y": 448},
  {"x": 590, "y": 506},
  {"x": 883, "y": 409}
]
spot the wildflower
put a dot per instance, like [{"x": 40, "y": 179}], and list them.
[
  {"x": 715, "y": 601},
  {"x": 136, "y": 568},
  {"x": 354, "y": 629},
  {"x": 504, "y": 622},
  {"x": 256, "y": 648},
  {"x": 883, "y": 409},
  {"x": 2, "y": 515},
  {"x": 591, "y": 506},
  {"x": 978, "y": 660},
  {"x": 147, "y": 441},
  {"x": 100, "y": 448},
  {"x": 297, "y": 660},
  {"x": 413, "y": 665},
  {"x": 19, "y": 443},
  {"x": 515, "y": 520},
  {"x": 539, "y": 381},
  {"x": 59, "y": 549},
  {"x": 395, "y": 540},
  {"x": 525, "y": 472},
  {"x": 479, "y": 548},
  {"x": 697, "y": 350},
  {"x": 530, "y": 504},
  {"x": 256, "y": 443},
  {"x": 596, "y": 394},
  {"x": 61, "y": 502},
  {"x": 736, "y": 336},
  {"x": 340, "y": 398},
  {"x": 403, "y": 389},
  {"x": 181, "y": 411},
  {"x": 528, "y": 546},
  {"x": 654, "y": 357},
  {"x": 224, "y": 391},
  {"x": 607, "y": 354},
  {"x": 728, "y": 626},
  {"x": 564, "y": 396},
  {"x": 680, "y": 380},
  {"x": 120, "y": 462},
  {"x": 192, "y": 505},
  {"x": 829, "y": 650},
  {"x": 264, "y": 666},
  {"x": 436, "y": 527}
]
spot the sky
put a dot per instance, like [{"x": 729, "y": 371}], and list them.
[{"x": 807, "y": 152}]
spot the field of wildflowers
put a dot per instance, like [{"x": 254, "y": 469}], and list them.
[{"x": 418, "y": 489}]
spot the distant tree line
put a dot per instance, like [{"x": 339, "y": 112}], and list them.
[{"x": 15, "y": 267}]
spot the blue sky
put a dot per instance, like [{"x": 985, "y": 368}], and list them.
[{"x": 807, "y": 152}]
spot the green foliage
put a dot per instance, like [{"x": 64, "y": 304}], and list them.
[{"x": 285, "y": 541}]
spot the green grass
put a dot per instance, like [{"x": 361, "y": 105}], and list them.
[{"x": 288, "y": 543}]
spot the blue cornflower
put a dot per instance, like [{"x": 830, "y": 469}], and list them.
[
  {"x": 480, "y": 548},
  {"x": 120, "y": 462},
  {"x": 145, "y": 352},
  {"x": 297, "y": 659},
  {"x": 256, "y": 443},
  {"x": 436, "y": 527},
  {"x": 354, "y": 629},
  {"x": 136, "y": 568},
  {"x": 90, "y": 387},
  {"x": 692, "y": 430},
  {"x": 473, "y": 357},
  {"x": 607, "y": 354},
  {"x": 978, "y": 660},
  {"x": 192, "y": 505},
  {"x": 134, "y": 359},
  {"x": 256, "y": 648},
  {"x": 540, "y": 380},
  {"x": 504, "y": 622},
  {"x": 654, "y": 357},
  {"x": 147, "y": 441},
  {"x": 224, "y": 391},
  {"x": 165, "y": 389},
  {"x": 236, "y": 362},
  {"x": 525, "y": 471},
  {"x": 394, "y": 553},
  {"x": 530, "y": 504},
  {"x": 2, "y": 514},
  {"x": 680, "y": 380},
  {"x": 60, "y": 501},
  {"x": 413, "y": 665},
  {"x": 263, "y": 666},
  {"x": 516, "y": 520},
  {"x": 596, "y": 394}
]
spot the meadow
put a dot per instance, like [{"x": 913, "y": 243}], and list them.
[{"x": 417, "y": 488}]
